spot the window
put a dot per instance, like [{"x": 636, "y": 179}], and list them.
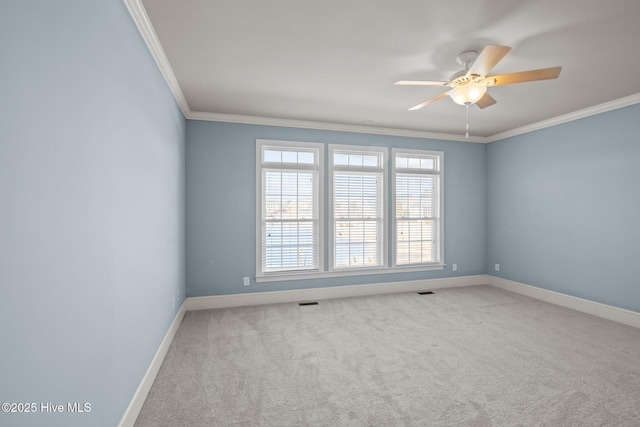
[
  {"x": 383, "y": 215},
  {"x": 417, "y": 181},
  {"x": 289, "y": 200},
  {"x": 357, "y": 206}
]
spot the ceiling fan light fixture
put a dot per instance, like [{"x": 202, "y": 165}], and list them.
[{"x": 469, "y": 93}]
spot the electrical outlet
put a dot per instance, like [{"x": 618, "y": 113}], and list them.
[
  {"x": 246, "y": 281},
  {"x": 454, "y": 267},
  {"x": 497, "y": 267}
]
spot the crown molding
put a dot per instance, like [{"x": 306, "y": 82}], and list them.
[
  {"x": 305, "y": 124},
  {"x": 565, "y": 118},
  {"x": 140, "y": 17},
  {"x": 569, "y": 117}
]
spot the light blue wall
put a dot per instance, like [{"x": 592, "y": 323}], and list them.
[
  {"x": 221, "y": 205},
  {"x": 564, "y": 205},
  {"x": 91, "y": 208},
  {"x": 92, "y": 176}
]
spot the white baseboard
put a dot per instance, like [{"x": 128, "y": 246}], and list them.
[
  {"x": 605, "y": 311},
  {"x": 135, "y": 406},
  {"x": 314, "y": 294},
  {"x": 620, "y": 315}
]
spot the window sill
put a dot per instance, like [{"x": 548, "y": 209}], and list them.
[{"x": 299, "y": 275}]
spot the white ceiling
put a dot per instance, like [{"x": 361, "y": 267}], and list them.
[{"x": 335, "y": 61}]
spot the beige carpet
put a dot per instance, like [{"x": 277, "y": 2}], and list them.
[{"x": 475, "y": 356}]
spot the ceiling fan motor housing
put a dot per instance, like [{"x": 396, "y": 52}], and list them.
[{"x": 467, "y": 58}]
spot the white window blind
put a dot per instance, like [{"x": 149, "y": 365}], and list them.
[
  {"x": 357, "y": 198},
  {"x": 364, "y": 234},
  {"x": 289, "y": 203},
  {"x": 418, "y": 207}
]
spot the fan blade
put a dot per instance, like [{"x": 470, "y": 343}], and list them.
[
  {"x": 419, "y": 83},
  {"x": 429, "y": 101},
  {"x": 524, "y": 76},
  {"x": 488, "y": 58},
  {"x": 486, "y": 101}
]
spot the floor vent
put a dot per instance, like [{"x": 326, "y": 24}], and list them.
[
  {"x": 302, "y": 304},
  {"x": 425, "y": 293}
]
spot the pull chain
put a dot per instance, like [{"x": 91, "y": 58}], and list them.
[{"x": 467, "y": 125}]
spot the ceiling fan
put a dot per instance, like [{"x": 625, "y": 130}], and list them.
[{"x": 469, "y": 86}]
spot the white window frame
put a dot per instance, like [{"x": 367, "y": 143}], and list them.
[
  {"x": 318, "y": 167},
  {"x": 325, "y": 255},
  {"x": 384, "y": 227},
  {"x": 439, "y": 171}
]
